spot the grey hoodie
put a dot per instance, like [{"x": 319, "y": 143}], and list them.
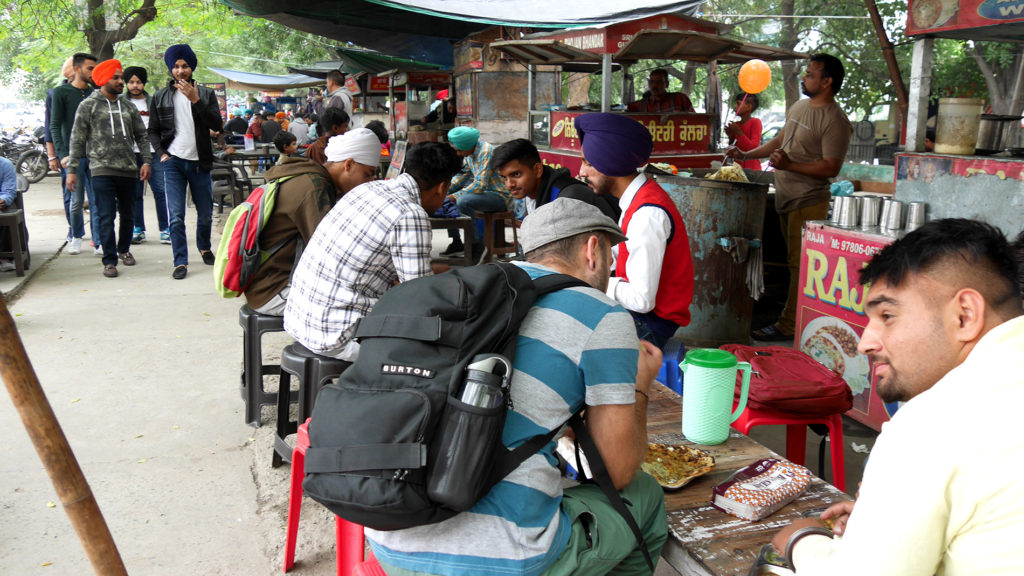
[{"x": 109, "y": 130}]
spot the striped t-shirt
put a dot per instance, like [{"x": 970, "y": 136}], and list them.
[{"x": 575, "y": 347}]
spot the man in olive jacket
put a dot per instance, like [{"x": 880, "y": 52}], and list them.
[{"x": 180, "y": 122}]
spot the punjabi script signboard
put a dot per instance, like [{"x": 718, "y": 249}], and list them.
[{"x": 672, "y": 133}]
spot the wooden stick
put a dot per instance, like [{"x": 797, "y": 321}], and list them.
[{"x": 55, "y": 452}]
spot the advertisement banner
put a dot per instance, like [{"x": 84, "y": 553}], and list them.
[
  {"x": 352, "y": 86},
  {"x": 220, "y": 89},
  {"x": 469, "y": 56},
  {"x": 925, "y": 167},
  {"x": 464, "y": 95},
  {"x": 672, "y": 133},
  {"x": 379, "y": 83},
  {"x": 830, "y": 311},
  {"x": 929, "y": 16},
  {"x": 610, "y": 39}
]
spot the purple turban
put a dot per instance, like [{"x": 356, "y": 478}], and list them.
[
  {"x": 615, "y": 145},
  {"x": 180, "y": 52}
]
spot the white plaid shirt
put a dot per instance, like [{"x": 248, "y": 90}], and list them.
[{"x": 376, "y": 234}]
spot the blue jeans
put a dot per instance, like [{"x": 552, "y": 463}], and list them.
[
  {"x": 156, "y": 184},
  {"x": 468, "y": 205},
  {"x": 655, "y": 330},
  {"x": 73, "y": 202},
  {"x": 114, "y": 193},
  {"x": 178, "y": 173}
]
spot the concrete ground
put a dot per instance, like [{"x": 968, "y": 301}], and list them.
[{"x": 143, "y": 372}]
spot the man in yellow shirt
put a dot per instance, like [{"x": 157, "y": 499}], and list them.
[{"x": 942, "y": 493}]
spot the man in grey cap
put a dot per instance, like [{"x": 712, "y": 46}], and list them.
[{"x": 577, "y": 348}]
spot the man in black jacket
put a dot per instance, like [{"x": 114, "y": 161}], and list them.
[
  {"x": 534, "y": 184},
  {"x": 179, "y": 128}
]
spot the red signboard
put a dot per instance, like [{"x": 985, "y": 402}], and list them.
[
  {"x": 830, "y": 314},
  {"x": 379, "y": 83},
  {"x": 927, "y": 167},
  {"x": 672, "y": 133},
  {"x": 610, "y": 39},
  {"x": 464, "y": 95},
  {"x": 929, "y": 16},
  {"x": 432, "y": 79},
  {"x": 353, "y": 86},
  {"x": 469, "y": 56}
]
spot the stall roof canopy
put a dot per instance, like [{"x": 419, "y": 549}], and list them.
[
  {"x": 650, "y": 44},
  {"x": 426, "y": 29},
  {"x": 356, "y": 60},
  {"x": 250, "y": 81}
]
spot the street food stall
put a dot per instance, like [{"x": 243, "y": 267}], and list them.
[
  {"x": 685, "y": 140},
  {"x": 407, "y": 112},
  {"x": 984, "y": 182}
]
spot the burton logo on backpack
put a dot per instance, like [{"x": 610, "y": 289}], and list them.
[{"x": 239, "y": 254}]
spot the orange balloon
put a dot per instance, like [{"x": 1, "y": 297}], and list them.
[{"x": 755, "y": 76}]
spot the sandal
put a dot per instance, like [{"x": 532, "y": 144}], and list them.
[{"x": 770, "y": 333}]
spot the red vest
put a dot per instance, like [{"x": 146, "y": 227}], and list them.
[{"x": 675, "y": 287}]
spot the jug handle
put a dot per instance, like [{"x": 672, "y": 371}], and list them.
[{"x": 744, "y": 389}]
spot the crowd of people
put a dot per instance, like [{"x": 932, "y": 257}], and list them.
[{"x": 944, "y": 306}]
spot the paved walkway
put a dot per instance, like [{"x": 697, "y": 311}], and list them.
[{"x": 142, "y": 372}]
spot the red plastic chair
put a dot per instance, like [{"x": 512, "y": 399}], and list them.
[
  {"x": 369, "y": 568},
  {"x": 796, "y": 436},
  {"x": 349, "y": 544}
]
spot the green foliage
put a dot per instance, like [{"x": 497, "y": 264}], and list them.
[
  {"x": 956, "y": 74},
  {"x": 38, "y": 35}
]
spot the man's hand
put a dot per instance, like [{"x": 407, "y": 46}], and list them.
[
  {"x": 439, "y": 268},
  {"x": 64, "y": 162},
  {"x": 71, "y": 182},
  {"x": 734, "y": 130},
  {"x": 188, "y": 90},
  {"x": 53, "y": 163},
  {"x": 839, "y": 514},
  {"x": 782, "y": 537},
  {"x": 648, "y": 365},
  {"x": 733, "y": 152},
  {"x": 450, "y": 197},
  {"x": 3, "y": 204},
  {"x": 145, "y": 172},
  {"x": 780, "y": 160}
]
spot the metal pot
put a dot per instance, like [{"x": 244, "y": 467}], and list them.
[{"x": 994, "y": 132}]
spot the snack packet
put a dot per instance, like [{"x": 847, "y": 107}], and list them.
[{"x": 760, "y": 489}]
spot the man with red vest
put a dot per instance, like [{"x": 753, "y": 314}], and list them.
[{"x": 653, "y": 267}]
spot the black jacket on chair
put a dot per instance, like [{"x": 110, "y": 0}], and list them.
[{"x": 205, "y": 115}]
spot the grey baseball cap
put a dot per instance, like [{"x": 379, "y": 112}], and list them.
[{"x": 563, "y": 218}]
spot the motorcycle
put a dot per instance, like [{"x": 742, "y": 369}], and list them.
[{"x": 26, "y": 154}]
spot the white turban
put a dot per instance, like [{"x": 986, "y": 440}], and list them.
[{"x": 361, "y": 145}]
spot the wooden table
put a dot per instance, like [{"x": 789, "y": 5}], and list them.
[{"x": 704, "y": 541}]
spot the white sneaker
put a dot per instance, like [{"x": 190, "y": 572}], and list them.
[
  {"x": 98, "y": 250},
  {"x": 75, "y": 246},
  {"x": 6, "y": 265}
]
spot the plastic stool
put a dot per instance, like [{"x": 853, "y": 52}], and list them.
[
  {"x": 796, "y": 436},
  {"x": 370, "y": 567},
  {"x": 313, "y": 372},
  {"x": 670, "y": 375},
  {"x": 494, "y": 227},
  {"x": 349, "y": 541},
  {"x": 254, "y": 326}
]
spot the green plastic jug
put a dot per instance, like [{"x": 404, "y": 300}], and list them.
[{"x": 708, "y": 394}]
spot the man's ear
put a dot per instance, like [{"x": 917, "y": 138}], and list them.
[
  {"x": 538, "y": 169},
  {"x": 969, "y": 306},
  {"x": 593, "y": 246},
  {"x": 348, "y": 164}
]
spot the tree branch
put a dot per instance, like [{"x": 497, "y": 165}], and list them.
[
  {"x": 994, "y": 93},
  {"x": 135, "y": 20}
]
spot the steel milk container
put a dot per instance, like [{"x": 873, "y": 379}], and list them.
[{"x": 708, "y": 396}]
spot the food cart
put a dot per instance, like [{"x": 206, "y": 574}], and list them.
[
  {"x": 830, "y": 316},
  {"x": 682, "y": 139},
  {"x": 406, "y": 113}
]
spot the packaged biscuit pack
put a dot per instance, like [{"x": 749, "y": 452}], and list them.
[{"x": 760, "y": 489}]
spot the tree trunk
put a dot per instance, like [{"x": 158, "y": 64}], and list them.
[
  {"x": 790, "y": 69},
  {"x": 101, "y": 40},
  {"x": 890, "y": 61}
]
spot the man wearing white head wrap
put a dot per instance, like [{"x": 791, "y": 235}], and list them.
[{"x": 307, "y": 191}]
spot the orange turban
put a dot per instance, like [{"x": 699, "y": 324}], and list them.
[
  {"x": 104, "y": 71},
  {"x": 280, "y": 115}
]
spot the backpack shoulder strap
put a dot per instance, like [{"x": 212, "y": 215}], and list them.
[{"x": 555, "y": 282}]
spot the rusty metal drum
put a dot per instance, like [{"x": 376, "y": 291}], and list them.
[{"x": 722, "y": 309}]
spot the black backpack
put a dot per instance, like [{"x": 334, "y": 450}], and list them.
[{"x": 391, "y": 444}]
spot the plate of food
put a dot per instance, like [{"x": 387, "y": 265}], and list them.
[
  {"x": 674, "y": 466},
  {"x": 833, "y": 343}
]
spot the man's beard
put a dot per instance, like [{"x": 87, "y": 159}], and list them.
[
  {"x": 134, "y": 93},
  {"x": 805, "y": 91}
]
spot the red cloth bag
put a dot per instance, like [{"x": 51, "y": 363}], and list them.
[{"x": 790, "y": 381}]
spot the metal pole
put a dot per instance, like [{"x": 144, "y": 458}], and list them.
[
  {"x": 920, "y": 87},
  {"x": 530, "y": 98},
  {"x": 606, "y": 82},
  {"x": 48, "y": 438}
]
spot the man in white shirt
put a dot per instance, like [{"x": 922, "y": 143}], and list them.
[
  {"x": 135, "y": 80},
  {"x": 183, "y": 115},
  {"x": 941, "y": 494},
  {"x": 300, "y": 129},
  {"x": 653, "y": 267}
]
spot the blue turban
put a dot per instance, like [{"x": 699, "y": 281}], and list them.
[
  {"x": 614, "y": 144},
  {"x": 463, "y": 137},
  {"x": 180, "y": 52}
]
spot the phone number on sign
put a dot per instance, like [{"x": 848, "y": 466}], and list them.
[{"x": 851, "y": 247}]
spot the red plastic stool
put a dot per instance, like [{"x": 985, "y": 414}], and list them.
[
  {"x": 369, "y": 568},
  {"x": 349, "y": 542},
  {"x": 796, "y": 436}
]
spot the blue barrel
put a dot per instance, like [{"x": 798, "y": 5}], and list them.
[{"x": 722, "y": 308}]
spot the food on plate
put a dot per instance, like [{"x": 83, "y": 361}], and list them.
[
  {"x": 730, "y": 173},
  {"x": 675, "y": 466},
  {"x": 926, "y": 12},
  {"x": 833, "y": 343}
]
